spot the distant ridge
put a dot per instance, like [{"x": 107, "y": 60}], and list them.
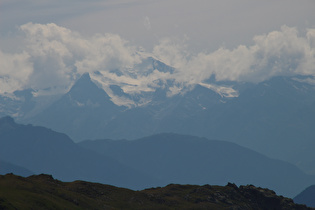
[
  {"x": 43, "y": 150},
  {"x": 268, "y": 117},
  {"x": 6, "y": 168},
  {"x": 147, "y": 162},
  {"x": 185, "y": 159},
  {"x": 306, "y": 197}
]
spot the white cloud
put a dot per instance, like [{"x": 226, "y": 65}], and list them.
[
  {"x": 59, "y": 55},
  {"x": 108, "y": 52},
  {"x": 55, "y": 56},
  {"x": 171, "y": 52},
  {"x": 278, "y": 53},
  {"x": 14, "y": 71}
]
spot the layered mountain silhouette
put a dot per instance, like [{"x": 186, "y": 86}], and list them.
[
  {"x": 274, "y": 117},
  {"x": 148, "y": 162},
  {"x": 187, "y": 159},
  {"x": 269, "y": 117},
  {"x": 42, "y": 150}
]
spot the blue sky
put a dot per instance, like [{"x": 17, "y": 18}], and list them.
[{"x": 43, "y": 41}]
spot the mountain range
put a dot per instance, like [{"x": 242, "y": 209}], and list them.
[
  {"x": 185, "y": 159},
  {"x": 42, "y": 150},
  {"x": 274, "y": 117},
  {"x": 152, "y": 161}
]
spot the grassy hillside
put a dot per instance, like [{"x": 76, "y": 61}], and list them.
[{"x": 44, "y": 192}]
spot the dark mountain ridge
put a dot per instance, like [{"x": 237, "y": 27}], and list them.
[{"x": 44, "y": 192}]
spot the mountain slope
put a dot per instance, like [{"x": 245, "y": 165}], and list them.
[
  {"x": 306, "y": 197},
  {"x": 179, "y": 114},
  {"x": 81, "y": 113},
  {"x": 42, "y": 150},
  {"x": 274, "y": 117},
  {"x": 269, "y": 117},
  {"x": 187, "y": 159},
  {"x": 6, "y": 168},
  {"x": 44, "y": 192},
  {"x": 16, "y": 104}
]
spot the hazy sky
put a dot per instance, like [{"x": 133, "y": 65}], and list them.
[
  {"x": 43, "y": 41},
  {"x": 207, "y": 24}
]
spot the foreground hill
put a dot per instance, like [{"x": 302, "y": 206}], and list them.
[
  {"x": 185, "y": 159},
  {"x": 44, "y": 192},
  {"x": 307, "y": 196}
]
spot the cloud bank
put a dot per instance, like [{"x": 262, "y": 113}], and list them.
[
  {"x": 55, "y": 57},
  {"x": 278, "y": 53}
]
